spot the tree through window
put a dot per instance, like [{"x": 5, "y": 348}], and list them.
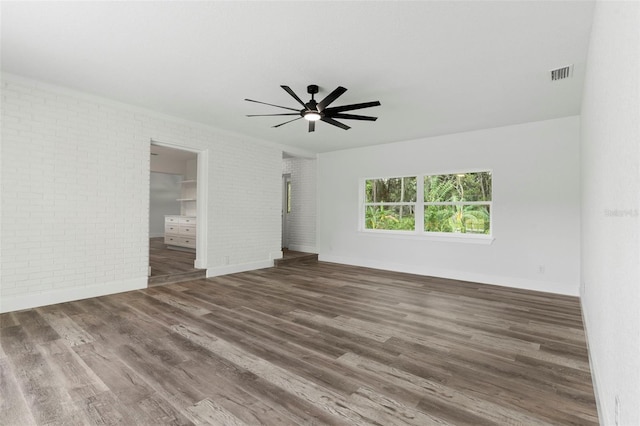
[
  {"x": 459, "y": 203},
  {"x": 450, "y": 203},
  {"x": 390, "y": 203}
]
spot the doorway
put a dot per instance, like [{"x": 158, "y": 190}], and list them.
[
  {"x": 175, "y": 192},
  {"x": 286, "y": 209}
]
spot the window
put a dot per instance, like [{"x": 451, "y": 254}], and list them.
[
  {"x": 458, "y": 203},
  {"x": 391, "y": 203}
]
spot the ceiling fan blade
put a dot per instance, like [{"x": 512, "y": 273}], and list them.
[
  {"x": 264, "y": 103},
  {"x": 294, "y": 96},
  {"x": 312, "y": 126},
  {"x": 354, "y": 117},
  {"x": 333, "y": 110},
  {"x": 272, "y": 115},
  {"x": 331, "y": 97},
  {"x": 282, "y": 124},
  {"x": 335, "y": 123}
]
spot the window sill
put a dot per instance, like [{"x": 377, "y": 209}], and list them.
[{"x": 439, "y": 237}]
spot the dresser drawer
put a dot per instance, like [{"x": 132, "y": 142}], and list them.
[
  {"x": 171, "y": 219},
  {"x": 187, "y": 220},
  {"x": 171, "y": 228},
  {"x": 187, "y": 230},
  {"x": 172, "y": 240},
  {"x": 180, "y": 241},
  {"x": 187, "y": 242}
]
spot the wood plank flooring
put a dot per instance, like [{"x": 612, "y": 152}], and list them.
[
  {"x": 290, "y": 257},
  {"x": 302, "y": 344},
  {"x": 164, "y": 261},
  {"x": 171, "y": 266}
]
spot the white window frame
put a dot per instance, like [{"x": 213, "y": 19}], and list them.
[
  {"x": 419, "y": 206},
  {"x": 364, "y": 205}
]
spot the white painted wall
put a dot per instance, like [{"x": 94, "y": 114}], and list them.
[
  {"x": 536, "y": 206},
  {"x": 191, "y": 169},
  {"x": 75, "y": 201},
  {"x": 610, "y": 162},
  {"x": 302, "y": 219}
]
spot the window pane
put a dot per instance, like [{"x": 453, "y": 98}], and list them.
[
  {"x": 391, "y": 190},
  {"x": 474, "y": 219},
  {"x": 458, "y": 187},
  {"x": 401, "y": 218}
]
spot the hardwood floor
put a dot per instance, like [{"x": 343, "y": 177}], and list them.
[
  {"x": 164, "y": 261},
  {"x": 290, "y": 257},
  {"x": 302, "y": 344},
  {"x": 170, "y": 266}
]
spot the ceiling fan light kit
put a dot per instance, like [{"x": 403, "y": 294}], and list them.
[
  {"x": 313, "y": 111},
  {"x": 312, "y": 116}
]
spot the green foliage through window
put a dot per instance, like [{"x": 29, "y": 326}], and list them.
[
  {"x": 458, "y": 187},
  {"x": 399, "y": 218},
  {"x": 473, "y": 219},
  {"x": 391, "y": 190},
  {"x": 452, "y": 203},
  {"x": 390, "y": 203},
  {"x": 459, "y": 203}
]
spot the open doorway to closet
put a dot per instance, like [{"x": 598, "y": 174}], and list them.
[
  {"x": 173, "y": 215},
  {"x": 286, "y": 209},
  {"x": 298, "y": 210}
]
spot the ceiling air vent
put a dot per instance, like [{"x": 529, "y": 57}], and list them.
[{"x": 562, "y": 73}]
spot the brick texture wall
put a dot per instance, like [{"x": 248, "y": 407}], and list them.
[{"x": 75, "y": 194}]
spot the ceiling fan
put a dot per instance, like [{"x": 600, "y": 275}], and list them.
[{"x": 313, "y": 111}]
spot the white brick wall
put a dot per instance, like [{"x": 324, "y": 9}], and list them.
[
  {"x": 302, "y": 219},
  {"x": 244, "y": 205},
  {"x": 75, "y": 191}
]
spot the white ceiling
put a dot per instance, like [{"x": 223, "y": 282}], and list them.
[{"x": 437, "y": 67}]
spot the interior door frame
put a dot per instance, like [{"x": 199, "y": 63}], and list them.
[
  {"x": 202, "y": 156},
  {"x": 286, "y": 194}
]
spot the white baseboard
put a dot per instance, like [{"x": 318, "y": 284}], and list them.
[
  {"x": 524, "y": 284},
  {"x": 33, "y": 300},
  {"x": 233, "y": 269},
  {"x": 600, "y": 407}
]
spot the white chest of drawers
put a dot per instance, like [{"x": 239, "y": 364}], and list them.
[{"x": 180, "y": 231}]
